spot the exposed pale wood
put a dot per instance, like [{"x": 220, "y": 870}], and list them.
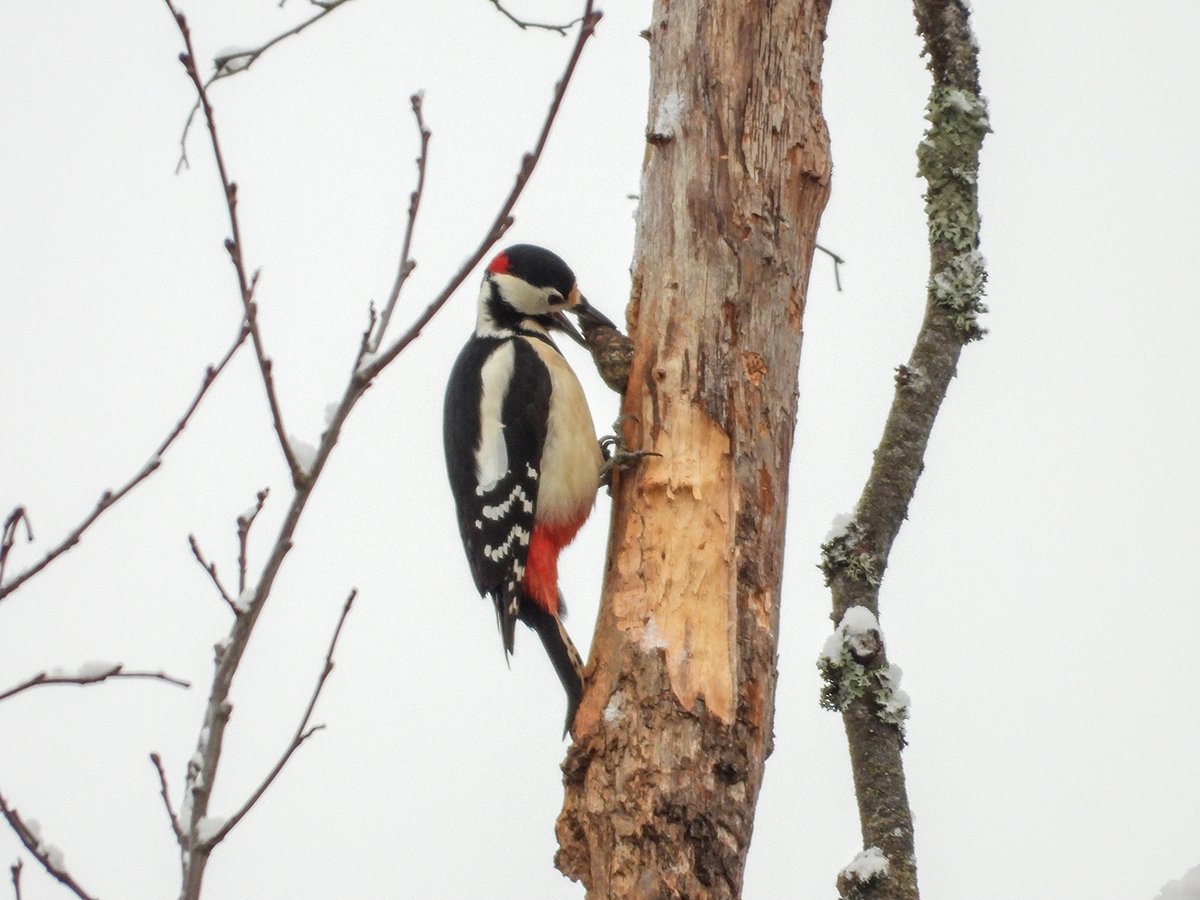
[{"x": 676, "y": 721}]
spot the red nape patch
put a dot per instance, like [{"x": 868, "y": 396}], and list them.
[
  {"x": 499, "y": 265},
  {"x": 541, "y": 564}
]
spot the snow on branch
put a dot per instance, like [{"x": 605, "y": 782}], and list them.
[
  {"x": 233, "y": 60},
  {"x": 92, "y": 672},
  {"x": 49, "y": 856},
  {"x": 860, "y": 682}
]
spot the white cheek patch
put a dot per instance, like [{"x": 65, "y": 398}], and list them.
[
  {"x": 524, "y": 297},
  {"x": 491, "y": 457}
]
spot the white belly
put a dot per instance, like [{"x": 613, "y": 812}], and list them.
[{"x": 571, "y": 460}]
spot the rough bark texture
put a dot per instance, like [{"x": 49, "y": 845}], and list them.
[
  {"x": 854, "y": 563},
  {"x": 676, "y": 721}
]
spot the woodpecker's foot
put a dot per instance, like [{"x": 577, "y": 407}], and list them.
[{"x": 617, "y": 456}]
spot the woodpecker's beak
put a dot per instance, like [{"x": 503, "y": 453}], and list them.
[
  {"x": 589, "y": 316},
  {"x": 562, "y": 323}
]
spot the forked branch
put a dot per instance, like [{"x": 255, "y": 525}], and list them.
[
  {"x": 109, "y": 498},
  {"x": 231, "y": 62},
  {"x": 201, "y": 832}
]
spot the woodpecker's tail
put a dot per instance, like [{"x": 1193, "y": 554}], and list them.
[{"x": 563, "y": 655}]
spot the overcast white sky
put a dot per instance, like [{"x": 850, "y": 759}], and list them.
[{"x": 1042, "y": 597}]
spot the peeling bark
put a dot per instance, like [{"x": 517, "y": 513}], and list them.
[{"x": 676, "y": 720}]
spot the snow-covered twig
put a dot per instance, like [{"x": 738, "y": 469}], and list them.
[
  {"x": 303, "y": 733},
  {"x": 88, "y": 673},
  {"x": 108, "y": 498},
  {"x": 233, "y": 244},
  {"x": 50, "y": 857},
  {"x": 407, "y": 264},
  {"x": 231, "y": 62}
]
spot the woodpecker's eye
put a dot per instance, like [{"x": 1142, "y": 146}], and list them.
[{"x": 553, "y": 297}]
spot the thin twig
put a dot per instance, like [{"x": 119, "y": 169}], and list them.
[
  {"x": 239, "y": 61},
  {"x": 166, "y": 798},
  {"x": 244, "y": 523},
  {"x": 522, "y": 24},
  {"x": 233, "y": 244},
  {"x": 587, "y": 25},
  {"x": 407, "y": 264},
  {"x": 88, "y": 674},
  {"x": 303, "y": 733},
  {"x": 15, "y": 869},
  {"x": 211, "y": 569},
  {"x": 108, "y": 498},
  {"x": 11, "y": 524},
  {"x": 48, "y": 855}
]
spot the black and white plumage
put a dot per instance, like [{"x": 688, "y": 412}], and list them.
[{"x": 521, "y": 449}]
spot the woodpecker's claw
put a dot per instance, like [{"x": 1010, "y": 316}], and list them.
[{"x": 617, "y": 456}]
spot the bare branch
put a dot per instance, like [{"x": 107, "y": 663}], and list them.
[
  {"x": 200, "y": 829},
  {"x": 233, "y": 245},
  {"x": 232, "y": 63},
  {"x": 48, "y": 855},
  {"x": 211, "y": 569},
  {"x": 166, "y": 798},
  {"x": 303, "y": 733},
  {"x": 522, "y": 24},
  {"x": 503, "y": 220},
  {"x": 89, "y": 673},
  {"x": 109, "y": 498},
  {"x": 15, "y": 869},
  {"x": 407, "y": 264},
  {"x": 244, "y": 523}
]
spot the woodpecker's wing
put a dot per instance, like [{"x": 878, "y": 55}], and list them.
[{"x": 497, "y": 404}]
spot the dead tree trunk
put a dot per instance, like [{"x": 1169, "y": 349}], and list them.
[{"x": 676, "y": 722}]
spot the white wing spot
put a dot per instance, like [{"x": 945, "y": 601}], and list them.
[
  {"x": 500, "y": 510},
  {"x": 491, "y": 458},
  {"x": 495, "y": 554}
]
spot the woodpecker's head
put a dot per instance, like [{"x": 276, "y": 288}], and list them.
[{"x": 527, "y": 286}]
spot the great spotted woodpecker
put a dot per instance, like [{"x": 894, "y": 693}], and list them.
[{"x": 521, "y": 448}]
